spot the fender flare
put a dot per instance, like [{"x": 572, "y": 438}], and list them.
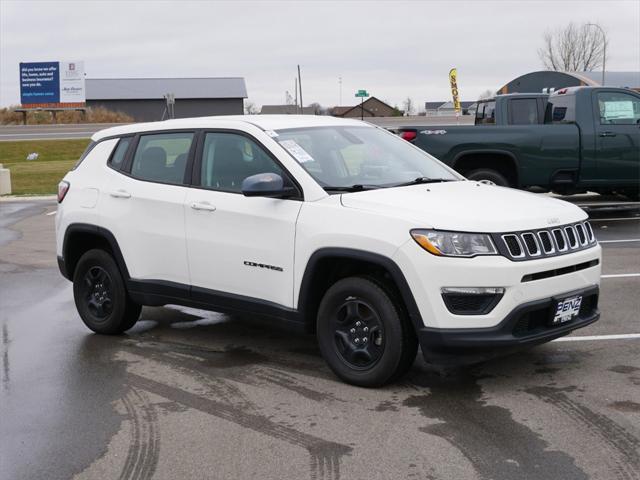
[
  {"x": 374, "y": 258},
  {"x": 98, "y": 232},
  {"x": 504, "y": 153}
]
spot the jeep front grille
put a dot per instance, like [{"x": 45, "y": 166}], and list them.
[{"x": 531, "y": 244}]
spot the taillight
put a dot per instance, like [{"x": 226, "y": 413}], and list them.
[
  {"x": 63, "y": 188},
  {"x": 408, "y": 135}
]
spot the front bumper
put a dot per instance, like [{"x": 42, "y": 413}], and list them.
[{"x": 526, "y": 325}]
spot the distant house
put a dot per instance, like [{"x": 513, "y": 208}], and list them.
[
  {"x": 143, "y": 98},
  {"x": 372, "y": 107},
  {"x": 446, "y": 108},
  {"x": 286, "y": 110}
]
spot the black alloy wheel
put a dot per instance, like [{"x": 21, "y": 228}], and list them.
[
  {"x": 101, "y": 295},
  {"x": 364, "y": 333},
  {"x": 98, "y": 292},
  {"x": 358, "y": 334}
]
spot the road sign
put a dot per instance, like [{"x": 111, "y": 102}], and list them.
[{"x": 362, "y": 94}]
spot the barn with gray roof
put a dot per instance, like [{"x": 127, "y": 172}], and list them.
[{"x": 143, "y": 98}]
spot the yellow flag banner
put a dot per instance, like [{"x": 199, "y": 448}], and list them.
[{"x": 453, "y": 79}]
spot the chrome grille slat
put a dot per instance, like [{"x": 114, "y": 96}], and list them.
[
  {"x": 572, "y": 237},
  {"x": 590, "y": 233},
  {"x": 546, "y": 242},
  {"x": 582, "y": 235},
  {"x": 533, "y": 249},
  {"x": 561, "y": 245},
  {"x": 519, "y": 253}
]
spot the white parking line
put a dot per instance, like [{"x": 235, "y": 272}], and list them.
[
  {"x": 620, "y": 241},
  {"x": 621, "y": 275},
  {"x": 587, "y": 338},
  {"x": 52, "y": 213}
]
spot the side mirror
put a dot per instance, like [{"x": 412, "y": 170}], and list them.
[{"x": 266, "y": 185}]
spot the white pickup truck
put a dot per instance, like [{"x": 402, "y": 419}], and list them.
[{"x": 329, "y": 225}]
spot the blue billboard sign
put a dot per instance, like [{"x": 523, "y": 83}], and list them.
[
  {"x": 39, "y": 82},
  {"x": 52, "y": 84}
]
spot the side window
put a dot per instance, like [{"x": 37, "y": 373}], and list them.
[
  {"x": 229, "y": 158},
  {"x": 523, "y": 111},
  {"x": 561, "y": 108},
  {"x": 618, "y": 108},
  {"x": 486, "y": 113},
  {"x": 118, "y": 154},
  {"x": 162, "y": 157}
]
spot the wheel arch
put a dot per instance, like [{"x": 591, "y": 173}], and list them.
[
  {"x": 79, "y": 238},
  {"x": 503, "y": 161},
  {"x": 327, "y": 265}
]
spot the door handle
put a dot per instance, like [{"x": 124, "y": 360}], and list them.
[
  {"x": 607, "y": 134},
  {"x": 120, "y": 194},
  {"x": 206, "y": 206}
]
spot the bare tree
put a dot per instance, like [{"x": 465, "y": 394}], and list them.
[
  {"x": 408, "y": 106},
  {"x": 487, "y": 94},
  {"x": 250, "y": 108},
  {"x": 575, "y": 48},
  {"x": 318, "y": 109}
]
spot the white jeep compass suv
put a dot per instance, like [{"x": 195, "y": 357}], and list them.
[{"x": 330, "y": 225}]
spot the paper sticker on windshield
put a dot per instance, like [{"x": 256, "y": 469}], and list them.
[{"x": 299, "y": 153}]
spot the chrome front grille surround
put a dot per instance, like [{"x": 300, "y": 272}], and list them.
[{"x": 541, "y": 243}]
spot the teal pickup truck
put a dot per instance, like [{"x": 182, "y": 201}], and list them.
[{"x": 573, "y": 140}]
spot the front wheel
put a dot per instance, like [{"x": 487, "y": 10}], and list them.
[
  {"x": 100, "y": 294},
  {"x": 489, "y": 177},
  {"x": 364, "y": 337}
]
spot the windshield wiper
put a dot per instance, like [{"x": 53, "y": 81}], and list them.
[
  {"x": 351, "y": 188},
  {"x": 419, "y": 180}
]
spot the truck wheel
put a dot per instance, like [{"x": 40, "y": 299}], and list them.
[
  {"x": 488, "y": 176},
  {"x": 364, "y": 337},
  {"x": 100, "y": 294}
]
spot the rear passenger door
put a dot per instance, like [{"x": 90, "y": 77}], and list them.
[
  {"x": 143, "y": 204},
  {"x": 238, "y": 245}
]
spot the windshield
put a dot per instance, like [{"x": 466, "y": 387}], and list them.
[{"x": 348, "y": 156}]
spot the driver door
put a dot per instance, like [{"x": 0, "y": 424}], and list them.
[{"x": 235, "y": 244}]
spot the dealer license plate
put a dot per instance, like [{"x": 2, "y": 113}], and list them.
[{"x": 567, "y": 309}]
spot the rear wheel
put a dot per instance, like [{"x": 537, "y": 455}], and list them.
[
  {"x": 489, "y": 177},
  {"x": 363, "y": 335},
  {"x": 100, "y": 294}
]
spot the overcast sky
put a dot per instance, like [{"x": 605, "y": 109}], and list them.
[{"x": 393, "y": 49}]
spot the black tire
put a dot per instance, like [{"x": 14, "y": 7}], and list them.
[
  {"x": 491, "y": 177},
  {"x": 356, "y": 308},
  {"x": 100, "y": 294}
]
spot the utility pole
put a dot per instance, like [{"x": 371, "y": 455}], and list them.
[
  {"x": 295, "y": 81},
  {"x": 340, "y": 83},
  {"x": 604, "y": 48},
  {"x": 300, "y": 87}
]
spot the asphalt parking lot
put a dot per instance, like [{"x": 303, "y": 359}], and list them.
[{"x": 191, "y": 394}]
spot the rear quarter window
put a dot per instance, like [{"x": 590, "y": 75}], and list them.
[
  {"x": 117, "y": 157},
  {"x": 84, "y": 154}
]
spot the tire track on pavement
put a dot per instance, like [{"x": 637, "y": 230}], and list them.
[
  {"x": 325, "y": 456},
  {"x": 614, "y": 437},
  {"x": 144, "y": 450}
]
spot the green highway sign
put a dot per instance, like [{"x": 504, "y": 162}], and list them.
[{"x": 362, "y": 93}]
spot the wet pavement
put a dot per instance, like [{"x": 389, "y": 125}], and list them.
[{"x": 192, "y": 394}]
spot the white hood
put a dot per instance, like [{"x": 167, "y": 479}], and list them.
[{"x": 467, "y": 206}]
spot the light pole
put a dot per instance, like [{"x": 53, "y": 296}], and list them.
[
  {"x": 604, "y": 48},
  {"x": 340, "y": 83}
]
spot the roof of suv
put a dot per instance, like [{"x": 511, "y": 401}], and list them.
[{"x": 265, "y": 122}]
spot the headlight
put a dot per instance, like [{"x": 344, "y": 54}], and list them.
[{"x": 454, "y": 244}]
